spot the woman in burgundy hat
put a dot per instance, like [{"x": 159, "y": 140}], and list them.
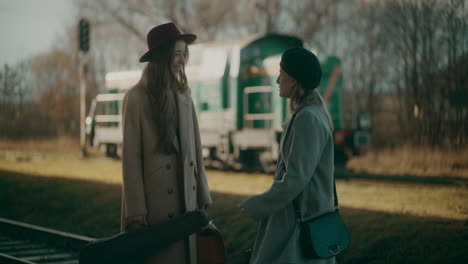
[{"x": 163, "y": 171}]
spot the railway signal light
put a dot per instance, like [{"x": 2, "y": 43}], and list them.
[{"x": 84, "y": 31}]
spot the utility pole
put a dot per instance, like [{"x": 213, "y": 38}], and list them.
[{"x": 83, "y": 37}]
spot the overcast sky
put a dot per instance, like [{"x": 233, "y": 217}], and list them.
[{"x": 29, "y": 27}]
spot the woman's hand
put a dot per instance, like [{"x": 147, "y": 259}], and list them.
[{"x": 137, "y": 221}]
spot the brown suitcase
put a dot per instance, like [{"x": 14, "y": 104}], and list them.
[{"x": 210, "y": 246}]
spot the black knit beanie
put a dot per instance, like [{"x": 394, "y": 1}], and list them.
[{"x": 303, "y": 66}]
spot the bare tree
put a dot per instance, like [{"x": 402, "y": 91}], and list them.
[
  {"x": 311, "y": 17},
  {"x": 16, "y": 95},
  {"x": 22, "y": 91},
  {"x": 417, "y": 49},
  {"x": 11, "y": 78}
]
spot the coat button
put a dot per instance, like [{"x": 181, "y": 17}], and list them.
[
  {"x": 168, "y": 166},
  {"x": 191, "y": 163},
  {"x": 170, "y": 215},
  {"x": 193, "y": 188},
  {"x": 170, "y": 190}
]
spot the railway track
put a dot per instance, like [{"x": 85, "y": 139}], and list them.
[
  {"x": 30, "y": 244},
  {"x": 22, "y": 243}
]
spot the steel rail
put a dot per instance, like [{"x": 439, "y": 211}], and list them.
[{"x": 22, "y": 243}]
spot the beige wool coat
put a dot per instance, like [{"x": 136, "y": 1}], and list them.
[{"x": 159, "y": 185}]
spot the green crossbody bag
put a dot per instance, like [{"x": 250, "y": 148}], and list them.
[{"x": 324, "y": 236}]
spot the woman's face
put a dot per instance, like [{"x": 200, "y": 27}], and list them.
[
  {"x": 179, "y": 58},
  {"x": 286, "y": 84}
]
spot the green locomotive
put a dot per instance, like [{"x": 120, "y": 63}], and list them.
[{"x": 239, "y": 108}]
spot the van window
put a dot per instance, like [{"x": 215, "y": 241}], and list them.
[
  {"x": 107, "y": 108},
  {"x": 107, "y": 114}
]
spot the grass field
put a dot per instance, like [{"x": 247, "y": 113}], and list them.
[
  {"x": 424, "y": 200},
  {"x": 415, "y": 161},
  {"x": 389, "y": 222}
]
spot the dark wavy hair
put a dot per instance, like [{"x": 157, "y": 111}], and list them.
[{"x": 162, "y": 85}]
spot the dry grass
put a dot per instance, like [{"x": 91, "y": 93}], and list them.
[
  {"x": 62, "y": 144},
  {"x": 62, "y": 164},
  {"x": 415, "y": 199},
  {"x": 399, "y": 161},
  {"x": 406, "y": 160},
  {"x": 442, "y": 201}
]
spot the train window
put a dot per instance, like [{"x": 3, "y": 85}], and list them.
[
  {"x": 205, "y": 106},
  {"x": 272, "y": 65},
  {"x": 260, "y": 102},
  {"x": 262, "y": 68},
  {"x": 255, "y": 70}
]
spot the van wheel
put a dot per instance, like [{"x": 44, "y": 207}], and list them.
[{"x": 111, "y": 150}]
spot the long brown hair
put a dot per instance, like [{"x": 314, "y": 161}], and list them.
[{"x": 162, "y": 85}]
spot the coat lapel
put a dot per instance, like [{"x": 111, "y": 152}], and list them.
[
  {"x": 285, "y": 127},
  {"x": 176, "y": 143},
  {"x": 286, "y": 131},
  {"x": 183, "y": 114},
  {"x": 184, "y": 137}
]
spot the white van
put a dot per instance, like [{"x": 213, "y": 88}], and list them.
[{"x": 104, "y": 122}]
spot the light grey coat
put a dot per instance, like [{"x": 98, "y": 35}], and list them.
[
  {"x": 151, "y": 180},
  {"x": 305, "y": 165}
]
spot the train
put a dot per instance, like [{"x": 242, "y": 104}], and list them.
[{"x": 240, "y": 112}]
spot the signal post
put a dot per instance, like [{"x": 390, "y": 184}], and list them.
[{"x": 83, "y": 38}]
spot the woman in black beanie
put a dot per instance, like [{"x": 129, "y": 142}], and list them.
[{"x": 304, "y": 172}]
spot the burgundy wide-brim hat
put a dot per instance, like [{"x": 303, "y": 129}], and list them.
[{"x": 162, "y": 34}]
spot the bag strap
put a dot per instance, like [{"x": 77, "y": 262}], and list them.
[{"x": 297, "y": 210}]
